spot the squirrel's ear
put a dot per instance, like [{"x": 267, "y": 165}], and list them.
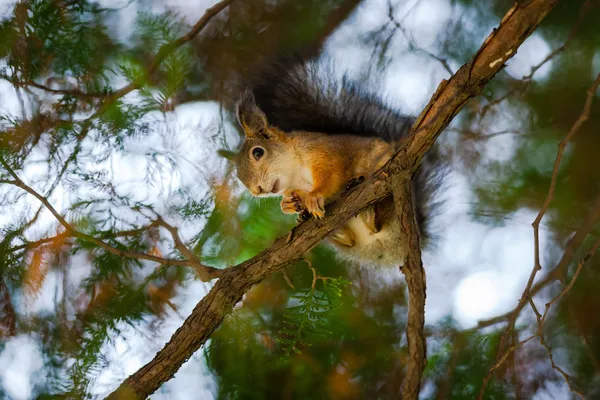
[
  {"x": 250, "y": 117},
  {"x": 228, "y": 154}
]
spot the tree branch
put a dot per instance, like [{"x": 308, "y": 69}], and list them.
[
  {"x": 68, "y": 92},
  {"x": 573, "y": 245},
  {"x": 66, "y": 234},
  {"x": 559, "y": 271},
  {"x": 206, "y": 273},
  {"x": 541, "y": 319},
  {"x": 412, "y": 45},
  {"x": 528, "y": 79},
  {"x": 415, "y": 280},
  {"x": 499, "y": 363},
  {"x": 168, "y": 48},
  {"x": 575, "y": 241},
  {"x": 516, "y": 26}
]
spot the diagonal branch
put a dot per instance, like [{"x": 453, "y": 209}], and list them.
[
  {"x": 541, "y": 319},
  {"x": 68, "y": 92},
  {"x": 206, "y": 273},
  {"x": 168, "y": 48},
  {"x": 63, "y": 235},
  {"x": 520, "y": 21},
  {"x": 575, "y": 241}
]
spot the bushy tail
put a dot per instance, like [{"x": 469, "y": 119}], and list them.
[{"x": 299, "y": 94}]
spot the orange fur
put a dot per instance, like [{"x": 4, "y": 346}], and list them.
[{"x": 310, "y": 170}]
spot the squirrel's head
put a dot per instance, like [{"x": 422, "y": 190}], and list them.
[{"x": 263, "y": 163}]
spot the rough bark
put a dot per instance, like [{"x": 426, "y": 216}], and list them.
[
  {"x": 415, "y": 281},
  {"x": 520, "y": 21}
]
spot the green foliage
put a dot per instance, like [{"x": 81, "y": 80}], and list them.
[
  {"x": 43, "y": 30},
  {"x": 462, "y": 354},
  {"x": 308, "y": 318}
]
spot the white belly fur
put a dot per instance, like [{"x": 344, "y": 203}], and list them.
[{"x": 384, "y": 248}]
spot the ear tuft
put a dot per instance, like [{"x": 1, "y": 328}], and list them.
[
  {"x": 228, "y": 154},
  {"x": 250, "y": 117}
]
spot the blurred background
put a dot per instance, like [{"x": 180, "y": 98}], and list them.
[{"x": 76, "y": 319}]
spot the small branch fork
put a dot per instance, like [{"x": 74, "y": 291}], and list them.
[
  {"x": 541, "y": 319},
  {"x": 411, "y": 41},
  {"x": 206, "y": 273},
  {"x": 559, "y": 271}
]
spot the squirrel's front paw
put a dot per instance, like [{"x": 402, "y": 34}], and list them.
[
  {"x": 315, "y": 204},
  {"x": 289, "y": 205},
  {"x": 292, "y": 204}
]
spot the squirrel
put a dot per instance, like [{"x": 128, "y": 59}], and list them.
[{"x": 309, "y": 137}]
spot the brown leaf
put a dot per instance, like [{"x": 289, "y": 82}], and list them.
[
  {"x": 161, "y": 295},
  {"x": 340, "y": 386},
  {"x": 36, "y": 273},
  {"x": 7, "y": 312}
]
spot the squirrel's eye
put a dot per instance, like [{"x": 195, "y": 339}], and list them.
[{"x": 257, "y": 153}]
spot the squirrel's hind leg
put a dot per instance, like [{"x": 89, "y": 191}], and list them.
[
  {"x": 371, "y": 219},
  {"x": 343, "y": 236}
]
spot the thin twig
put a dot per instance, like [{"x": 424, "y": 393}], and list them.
[
  {"x": 186, "y": 252},
  {"x": 499, "y": 363},
  {"x": 412, "y": 45},
  {"x": 512, "y": 318},
  {"x": 472, "y": 135},
  {"x": 41, "y": 242},
  {"x": 575, "y": 276},
  {"x": 573, "y": 244},
  {"x": 69, "y": 92},
  {"x": 164, "y": 51},
  {"x": 540, "y": 334},
  {"x": 287, "y": 279},
  {"x": 206, "y": 273},
  {"x": 66, "y": 234},
  {"x": 541, "y": 320}
]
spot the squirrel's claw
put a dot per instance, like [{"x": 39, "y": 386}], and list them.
[
  {"x": 289, "y": 205},
  {"x": 315, "y": 204},
  {"x": 292, "y": 204}
]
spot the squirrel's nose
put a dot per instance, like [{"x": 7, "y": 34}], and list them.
[{"x": 260, "y": 190}]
